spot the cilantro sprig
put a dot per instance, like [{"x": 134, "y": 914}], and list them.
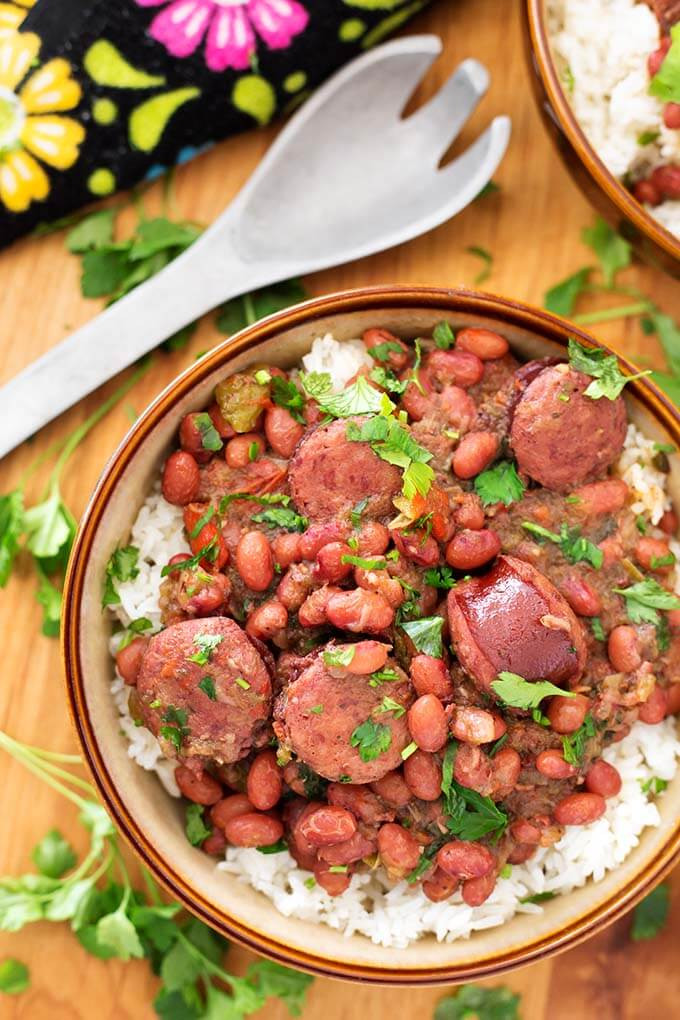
[
  {"x": 359, "y": 398},
  {"x": 371, "y": 739},
  {"x": 499, "y": 484},
  {"x": 517, "y": 692},
  {"x": 469, "y": 815},
  {"x": 608, "y": 379},
  {"x": 473, "y": 1001},
  {"x": 574, "y": 744},
  {"x": 395, "y": 444},
  {"x": 644, "y": 600},
  {"x": 426, "y": 634},
  {"x": 573, "y": 545},
  {"x": 666, "y": 82},
  {"x": 651, "y": 914}
]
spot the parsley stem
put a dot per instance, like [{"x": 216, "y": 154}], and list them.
[
  {"x": 249, "y": 309},
  {"x": 38, "y": 770},
  {"x": 68, "y": 759},
  {"x": 152, "y": 888},
  {"x": 605, "y": 314}
]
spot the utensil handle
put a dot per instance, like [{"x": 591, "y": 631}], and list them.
[{"x": 207, "y": 274}]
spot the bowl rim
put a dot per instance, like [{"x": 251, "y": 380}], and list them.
[
  {"x": 562, "y": 109},
  {"x": 455, "y": 300}
]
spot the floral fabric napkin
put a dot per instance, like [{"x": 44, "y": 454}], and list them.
[{"x": 96, "y": 95}]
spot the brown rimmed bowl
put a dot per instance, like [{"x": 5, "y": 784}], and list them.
[
  {"x": 652, "y": 242},
  {"x": 152, "y": 822}
]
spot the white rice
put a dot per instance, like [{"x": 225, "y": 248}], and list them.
[
  {"x": 396, "y": 914},
  {"x": 605, "y": 45}
]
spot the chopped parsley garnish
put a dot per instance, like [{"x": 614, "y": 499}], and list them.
[
  {"x": 596, "y": 627},
  {"x": 539, "y": 897},
  {"x": 612, "y": 251},
  {"x": 122, "y": 566},
  {"x": 409, "y": 750},
  {"x": 341, "y": 655},
  {"x": 662, "y": 561},
  {"x": 207, "y": 685},
  {"x": 495, "y": 748},
  {"x": 574, "y": 744},
  {"x": 267, "y": 499},
  {"x": 641, "y": 524},
  {"x": 316, "y": 709},
  {"x": 382, "y": 676},
  {"x": 381, "y": 352},
  {"x": 194, "y": 826},
  {"x": 273, "y": 848},
  {"x": 204, "y": 519},
  {"x": 356, "y": 512},
  {"x": 440, "y": 577},
  {"x": 286, "y": 394},
  {"x": 133, "y": 629},
  {"x": 426, "y": 858},
  {"x": 281, "y": 517},
  {"x": 371, "y": 739},
  {"x": 539, "y": 718},
  {"x": 647, "y": 137},
  {"x": 608, "y": 380},
  {"x": 666, "y": 82},
  {"x": 315, "y": 786},
  {"x": 651, "y": 914},
  {"x": 338, "y": 869},
  {"x": 206, "y": 645},
  {"x": 386, "y": 378},
  {"x": 573, "y": 545},
  {"x": 654, "y": 785},
  {"x": 469, "y": 815},
  {"x": 210, "y": 437},
  {"x": 253, "y": 451},
  {"x": 499, "y": 484},
  {"x": 487, "y": 259},
  {"x": 262, "y": 377},
  {"x": 644, "y": 599},
  {"x": 208, "y": 552},
  {"x": 394, "y": 444},
  {"x": 365, "y": 564},
  {"x": 310, "y": 882},
  {"x": 175, "y": 728},
  {"x": 517, "y": 692},
  {"x": 390, "y": 705},
  {"x": 426, "y": 634},
  {"x": 359, "y": 398},
  {"x": 443, "y": 336},
  {"x": 243, "y": 684},
  {"x": 15, "y": 976}
]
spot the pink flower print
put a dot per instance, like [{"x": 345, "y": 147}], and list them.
[{"x": 230, "y": 26}]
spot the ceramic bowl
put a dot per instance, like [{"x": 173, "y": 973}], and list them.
[
  {"x": 152, "y": 822},
  {"x": 613, "y": 201}
]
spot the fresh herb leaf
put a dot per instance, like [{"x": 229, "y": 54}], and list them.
[
  {"x": 382, "y": 351},
  {"x": 14, "y": 977},
  {"x": 443, "y": 336},
  {"x": 440, "y": 577},
  {"x": 12, "y": 526},
  {"x": 573, "y": 545},
  {"x": 133, "y": 629},
  {"x": 469, "y": 815},
  {"x": 206, "y": 645},
  {"x": 647, "y": 137},
  {"x": 562, "y": 298},
  {"x": 665, "y": 84},
  {"x": 645, "y": 598},
  {"x": 517, "y": 692},
  {"x": 204, "y": 519},
  {"x": 383, "y": 676},
  {"x": 489, "y": 189},
  {"x": 608, "y": 380},
  {"x": 94, "y": 231},
  {"x": 426, "y": 635},
  {"x": 539, "y": 897},
  {"x": 371, "y": 739},
  {"x": 122, "y": 566},
  {"x": 53, "y": 855},
  {"x": 341, "y": 655},
  {"x": 499, "y": 484},
  {"x": 574, "y": 744},
  {"x": 390, "y": 705},
  {"x": 273, "y": 848},
  {"x": 315, "y": 786},
  {"x": 195, "y": 828},
  {"x": 49, "y": 597},
  {"x": 394, "y": 444},
  {"x": 387, "y": 380},
  {"x": 281, "y": 517},
  {"x": 208, "y": 551},
  {"x": 651, "y": 914},
  {"x": 244, "y": 311},
  {"x": 487, "y": 259},
  {"x": 207, "y": 685},
  {"x": 210, "y": 437},
  {"x": 596, "y": 627},
  {"x": 359, "y": 398},
  {"x": 364, "y": 562},
  {"x": 654, "y": 785},
  {"x": 286, "y": 394},
  {"x": 356, "y": 512},
  {"x": 613, "y": 253}
]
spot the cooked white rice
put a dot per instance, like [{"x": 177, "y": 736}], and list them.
[
  {"x": 395, "y": 914},
  {"x": 604, "y": 45}
]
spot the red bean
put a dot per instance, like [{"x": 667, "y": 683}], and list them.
[
  {"x": 601, "y": 497},
  {"x": 476, "y": 891},
  {"x": 579, "y": 809},
  {"x": 191, "y": 438},
  {"x": 399, "y": 851},
  {"x": 319, "y": 535},
  {"x": 439, "y": 886},
  {"x": 427, "y": 723},
  {"x": 335, "y": 883},
  {"x": 328, "y": 825},
  {"x": 671, "y": 116},
  {"x": 215, "y": 844},
  {"x": 470, "y": 549},
  {"x": 673, "y": 617},
  {"x": 507, "y": 766},
  {"x": 603, "y": 778},
  {"x": 551, "y": 763},
  {"x": 430, "y": 676},
  {"x": 396, "y": 359},
  {"x": 243, "y": 449},
  {"x": 359, "y": 611},
  {"x": 473, "y": 769},
  {"x": 475, "y": 452},
  {"x": 393, "y": 789},
  {"x": 198, "y": 786},
  {"x": 313, "y": 611},
  {"x": 417, "y": 546},
  {"x": 623, "y": 649},
  {"x": 254, "y": 561},
  {"x": 253, "y": 830},
  {"x": 367, "y": 657},
  {"x": 654, "y": 709},
  {"x": 669, "y": 522},
  {"x": 458, "y": 407},
  {"x": 486, "y": 344},
  {"x": 329, "y": 562},
  {"x": 359, "y": 801},
  {"x": 295, "y": 585},
  {"x": 265, "y": 783},
  {"x": 230, "y": 807},
  {"x": 567, "y": 714},
  {"x": 129, "y": 659},
  {"x": 455, "y": 366},
  {"x": 647, "y": 193},
  {"x": 473, "y": 725},
  {"x": 520, "y": 853},
  {"x": 373, "y": 539},
  {"x": 382, "y": 583},
  {"x": 286, "y": 549},
  {"x": 208, "y": 600},
  {"x": 524, "y": 831},
  {"x": 223, "y": 427},
  {"x": 649, "y": 551},
  {"x": 673, "y": 698},
  {"x": 465, "y": 860},
  {"x": 181, "y": 478},
  {"x": 667, "y": 180},
  {"x": 283, "y": 432},
  {"x": 470, "y": 513},
  {"x": 582, "y": 598},
  {"x": 423, "y": 775}
]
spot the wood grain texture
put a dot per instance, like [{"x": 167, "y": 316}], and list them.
[{"x": 532, "y": 228}]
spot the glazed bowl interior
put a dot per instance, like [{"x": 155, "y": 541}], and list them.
[
  {"x": 652, "y": 241},
  {"x": 153, "y": 822}
]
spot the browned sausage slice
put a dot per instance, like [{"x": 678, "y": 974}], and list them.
[
  {"x": 514, "y": 619},
  {"x": 562, "y": 438},
  {"x": 329, "y": 475},
  {"x": 214, "y": 709},
  {"x": 318, "y": 713}
]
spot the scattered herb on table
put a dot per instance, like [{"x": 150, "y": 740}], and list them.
[
  {"x": 245, "y": 310},
  {"x": 561, "y": 299},
  {"x": 371, "y": 739},
  {"x": 472, "y": 1002},
  {"x": 613, "y": 252},
  {"x": 487, "y": 259},
  {"x": 499, "y": 484},
  {"x": 517, "y": 692},
  {"x": 111, "y": 919},
  {"x": 651, "y": 914}
]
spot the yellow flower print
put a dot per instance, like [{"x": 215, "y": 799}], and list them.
[
  {"x": 31, "y": 127},
  {"x": 12, "y": 14}
]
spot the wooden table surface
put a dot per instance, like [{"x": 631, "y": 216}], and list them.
[{"x": 532, "y": 228}]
